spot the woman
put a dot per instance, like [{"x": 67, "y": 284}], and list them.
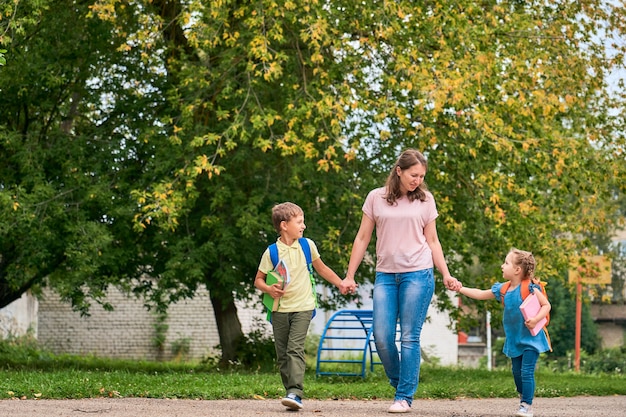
[{"x": 403, "y": 213}]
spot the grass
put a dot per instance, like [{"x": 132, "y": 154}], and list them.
[
  {"x": 81, "y": 377},
  {"x": 28, "y": 372}
]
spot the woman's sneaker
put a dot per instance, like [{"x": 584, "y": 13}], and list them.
[
  {"x": 292, "y": 402},
  {"x": 525, "y": 410},
  {"x": 400, "y": 406}
]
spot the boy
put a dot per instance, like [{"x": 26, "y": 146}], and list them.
[{"x": 290, "y": 322}]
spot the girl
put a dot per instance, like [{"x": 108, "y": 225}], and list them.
[{"x": 520, "y": 345}]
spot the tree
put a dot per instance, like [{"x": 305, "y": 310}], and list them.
[
  {"x": 522, "y": 152},
  {"x": 70, "y": 142},
  {"x": 218, "y": 110},
  {"x": 562, "y": 326}
]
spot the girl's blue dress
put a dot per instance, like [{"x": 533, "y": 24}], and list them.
[{"x": 518, "y": 337}]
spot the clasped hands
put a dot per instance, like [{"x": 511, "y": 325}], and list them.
[
  {"x": 349, "y": 286},
  {"x": 452, "y": 284}
]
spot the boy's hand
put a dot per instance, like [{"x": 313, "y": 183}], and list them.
[
  {"x": 348, "y": 286},
  {"x": 276, "y": 291}
]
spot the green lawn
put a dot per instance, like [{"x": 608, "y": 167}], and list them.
[
  {"x": 26, "y": 371},
  {"x": 90, "y": 377}
]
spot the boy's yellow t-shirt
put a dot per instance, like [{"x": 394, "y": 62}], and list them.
[{"x": 299, "y": 294}]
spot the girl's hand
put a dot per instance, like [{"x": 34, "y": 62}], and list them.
[
  {"x": 452, "y": 284},
  {"x": 531, "y": 323}
]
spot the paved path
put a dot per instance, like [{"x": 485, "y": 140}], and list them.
[{"x": 614, "y": 406}]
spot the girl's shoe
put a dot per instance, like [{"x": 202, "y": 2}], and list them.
[{"x": 525, "y": 410}]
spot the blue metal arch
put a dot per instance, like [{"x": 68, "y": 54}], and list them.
[{"x": 354, "y": 326}]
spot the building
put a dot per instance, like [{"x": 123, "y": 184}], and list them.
[{"x": 188, "y": 329}]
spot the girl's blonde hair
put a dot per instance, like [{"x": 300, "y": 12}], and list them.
[
  {"x": 284, "y": 212},
  {"x": 526, "y": 261},
  {"x": 405, "y": 161}
]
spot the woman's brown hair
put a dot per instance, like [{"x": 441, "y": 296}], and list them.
[{"x": 409, "y": 158}]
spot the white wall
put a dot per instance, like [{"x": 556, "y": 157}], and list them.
[
  {"x": 18, "y": 317},
  {"x": 128, "y": 331}
]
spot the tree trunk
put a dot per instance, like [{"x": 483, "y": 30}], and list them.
[
  {"x": 8, "y": 293},
  {"x": 228, "y": 327}
]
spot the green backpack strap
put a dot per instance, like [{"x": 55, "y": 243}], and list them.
[{"x": 274, "y": 257}]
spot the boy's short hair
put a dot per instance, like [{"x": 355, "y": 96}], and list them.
[{"x": 284, "y": 212}]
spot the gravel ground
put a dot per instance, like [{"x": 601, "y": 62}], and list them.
[{"x": 613, "y": 406}]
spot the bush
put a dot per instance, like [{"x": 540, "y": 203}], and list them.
[
  {"x": 311, "y": 344},
  {"x": 257, "y": 352},
  {"x": 610, "y": 361},
  {"x": 16, "y": 351},
  {"x": 607, "y": 361}
]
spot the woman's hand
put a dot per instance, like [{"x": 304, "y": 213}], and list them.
[
  {"x": 452, "y": 283},
  {"x": 348, "y": 286}
]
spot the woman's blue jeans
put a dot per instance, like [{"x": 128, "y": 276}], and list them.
[
  {"x": 524, "y": 374},
  {"x": 401, "y": 298}
]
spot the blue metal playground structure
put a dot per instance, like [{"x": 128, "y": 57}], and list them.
[{"x": 347, "y": 338}]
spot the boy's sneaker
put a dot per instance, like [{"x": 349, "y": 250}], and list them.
[
  {"x": 400, "y": 406},
  {"x": 525, "y": 410},
  {"x": 292, "y": 402}
]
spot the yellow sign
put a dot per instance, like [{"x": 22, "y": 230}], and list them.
[{"x": 591, "y": 270}]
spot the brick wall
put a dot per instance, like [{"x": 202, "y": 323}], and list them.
[{"x": 129, "y": 331}]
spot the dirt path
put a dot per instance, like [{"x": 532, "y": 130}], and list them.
[{"x": 614, "y": 406}]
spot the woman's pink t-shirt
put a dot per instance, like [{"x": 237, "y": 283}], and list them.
[{"x": 400, "y": 242}]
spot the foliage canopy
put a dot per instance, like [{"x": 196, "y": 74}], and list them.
[{"x": 153, "y": 137}]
